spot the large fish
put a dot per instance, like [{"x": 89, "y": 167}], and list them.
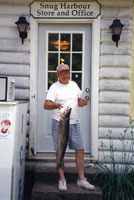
[{"x": 63, "y": 136}]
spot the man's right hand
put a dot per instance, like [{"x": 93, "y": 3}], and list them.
[
  {"x": 59, "y": 106},
  {"x": 50, "y": 105}
]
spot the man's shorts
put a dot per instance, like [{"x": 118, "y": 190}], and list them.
[{"x": 75, "y": 138}]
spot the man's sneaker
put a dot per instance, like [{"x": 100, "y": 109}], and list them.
[
  {"x": 85, "y": 184},
  {"x": 62, "y": 186}
]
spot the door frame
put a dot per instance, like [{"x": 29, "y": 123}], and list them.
[{"x": 94, "y": 79}]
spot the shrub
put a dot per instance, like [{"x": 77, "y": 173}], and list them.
[{"x": 117, "y": 183}]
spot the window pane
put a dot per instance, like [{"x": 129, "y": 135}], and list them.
[
  {"x": 77, "y": 42},
  {"x": 65, "y": 57},
  {"x": 52, "y": 61},
  {"x": 65, "y": 42},
  {"x": 52, "y": 78},
  {"x": 77, "y": 77},
  {"x": 53, "y": 43},
  {"x": 76, "y": 62}
]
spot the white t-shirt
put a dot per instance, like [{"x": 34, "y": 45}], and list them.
[{"x": 66, "y": 95}]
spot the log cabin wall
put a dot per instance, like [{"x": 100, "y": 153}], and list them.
[
  {"x": 115, "y": 72},
  {"x": 15, "y": 57}
]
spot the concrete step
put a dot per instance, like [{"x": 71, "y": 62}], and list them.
[
  {"x": 46, "y": 181},
  {"x": 50, "y": 175},
  {"x": 41, "y": 183},
  {"x": 43, "y": 191}
]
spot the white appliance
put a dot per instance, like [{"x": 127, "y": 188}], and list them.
[
  {"x": 12, "y": 149},
  {"x": 7, "y": 89}
]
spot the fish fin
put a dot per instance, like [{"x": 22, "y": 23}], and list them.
[{"x": 60, "y": 165}]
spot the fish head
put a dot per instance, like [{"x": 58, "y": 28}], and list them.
[{"x": 65, "y": 113}]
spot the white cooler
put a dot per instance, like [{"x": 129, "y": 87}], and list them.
[{"x": 12, "y": 149}]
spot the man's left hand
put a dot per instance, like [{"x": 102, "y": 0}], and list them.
[{"x": 82, "y": 102}]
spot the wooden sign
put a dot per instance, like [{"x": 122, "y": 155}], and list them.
[{"x": 73, "y": 10}]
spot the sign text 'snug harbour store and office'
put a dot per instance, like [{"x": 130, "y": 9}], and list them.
[{"x": 65, "y": 9}]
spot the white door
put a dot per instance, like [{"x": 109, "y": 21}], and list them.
[{"x": 71, "y": 44}]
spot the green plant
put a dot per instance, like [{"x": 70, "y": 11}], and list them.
[{"x": 117, "y": 183}]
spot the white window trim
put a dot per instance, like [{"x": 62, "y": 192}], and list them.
[{"x": 94, "y": 79}]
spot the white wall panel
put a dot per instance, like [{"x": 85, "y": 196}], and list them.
[
  {"x": 106, "y": 22},
  {"x": 14, "y": 70},
  {"x": 22, "y": 82},
  {"x": 114, "y": 109},
  {"x": 117, "y": 145},
  {"x": 106, "y": 37},
  {"x": 117, "y": 156},
  {"x": 15, "y": 57},
  {"x": 116, "y": 132},
  {"x": 9, "y": 20},
  {"x": 117, "y": 60},
  {"x": 115, "y": 73},
  {"x": 14, "y": 45},
  {"x": 117, "y": 11},
  {"x": 115, "y": 85},
  {"x": 9, "y": 9},
  {"x": 22, "y": 94},
  {"x": 114, "y": 97},
  {"x": 113, "y": 121},
  {"x": 111, "y": 49},
  {"x": 10, "y": 33}
]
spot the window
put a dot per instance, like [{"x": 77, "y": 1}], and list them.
[{"x": 65, "y": 48}]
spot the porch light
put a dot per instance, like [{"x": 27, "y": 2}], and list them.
[
  {"x": 22, "y": 25},
  {"x": 116, "y": 30}
]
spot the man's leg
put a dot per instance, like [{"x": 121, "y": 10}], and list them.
[
  {"x": 79, "y": 157},
  {"x": 82, "y": 181}
]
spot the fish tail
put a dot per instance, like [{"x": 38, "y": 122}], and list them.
[{"x": 60, "y": 165}]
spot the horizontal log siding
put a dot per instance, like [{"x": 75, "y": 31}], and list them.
[
  {"x": 15, "y": 57},
  {"x": 114, "y": 85},
  {"x": 116, "y": 132}
]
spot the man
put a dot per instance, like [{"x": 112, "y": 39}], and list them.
[{"x": 61, "y": 94}]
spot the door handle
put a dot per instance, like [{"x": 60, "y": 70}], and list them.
[
  {"x": 87, "y": 97},
  {"x": 87, "y": 90}
]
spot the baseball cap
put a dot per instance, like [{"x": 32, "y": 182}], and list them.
[{"x": 62, "y": 67}]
